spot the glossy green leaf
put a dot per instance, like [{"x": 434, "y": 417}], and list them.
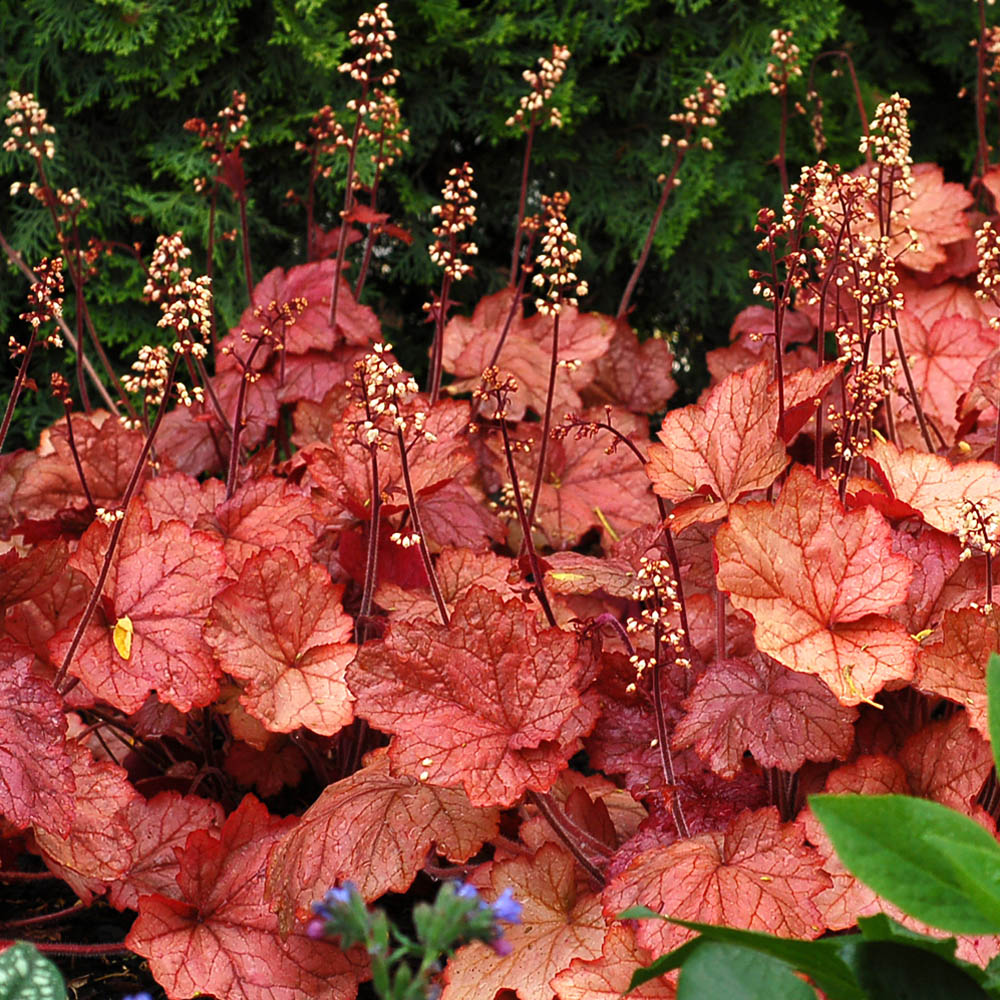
[
  {"x": 717, "y": 971},
  {"x": 993, "y": 705},
  {"x": 892, "y": 970},
  {"x": 977, "y": 870},
  {"x": 26, "y": 974},
  {"x": 894, "y": 844},
  {"x": 820, "y": 960}
]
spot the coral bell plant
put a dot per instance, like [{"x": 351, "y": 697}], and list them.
[{"x": 490, "y": 657}]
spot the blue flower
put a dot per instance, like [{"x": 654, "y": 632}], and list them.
[
  {"x": 465, "y": 890},
  {"x": 341, "y": 895},
  {"x": 139, "y": 996},
  {"x": 507, "y": 908}
]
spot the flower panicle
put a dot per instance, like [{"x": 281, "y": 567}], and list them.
[{"x": 543, "y": 83}]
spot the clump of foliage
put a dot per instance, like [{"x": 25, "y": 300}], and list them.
[{"x": 279, "y": 614}]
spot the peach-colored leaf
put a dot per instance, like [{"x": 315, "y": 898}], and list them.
[
  {"x": 98, "y": 848},
  {"x": 282, "y": 631},
  {"x": 818, "y": 581},
  {"x": 375, "y": 829},
  {"x": 954, "y": 666},
  {"x": 160, "y": 825},
  {"x": 219, "y": 936},
  {"x": 948, "y": 762},
  {"x": 489, "y": 702},
  {"x": 561, "y": 921},
  {"x": 932, "y": 486},
  {"x": 607, "y": 978},
  {"x": 163, "y": 580},
  {"x": 632, "y": 374},
  {"x": 469, "y": 344},
  {"x": 759, "y": 874}
]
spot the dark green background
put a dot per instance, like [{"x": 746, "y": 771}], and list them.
[{"x": 120, "y": 79}]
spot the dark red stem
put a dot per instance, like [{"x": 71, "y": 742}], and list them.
[
  {"x": 668, "y": 186},
  {"x": 116, "y": 531},
  {"x": 425, "y": 555},
  {"x": 522, "y": 200}
]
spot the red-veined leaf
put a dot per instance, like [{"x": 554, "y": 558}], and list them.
[
  {"x": 759, "y": 875},
  {"x": 281, "y": 630},
  {"x": 783, "y": 718},
  {"x": 163, "y": 580},
  {"x": 818, "y": 581},
  {"x": 219, "y": 936},
  {"x": 489, "y": 702},
  {"x": 375, "y": 829}
]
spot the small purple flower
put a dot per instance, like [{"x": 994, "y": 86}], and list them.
[
  {"x": 139, "y": 996},
  {"x": 501, "y": 946},
  {"x": 316, "y": 928},
  {"x": 507, "y": 908},
  {"x": 341, "y": 895},
  {"x": 465, "y": 890}
]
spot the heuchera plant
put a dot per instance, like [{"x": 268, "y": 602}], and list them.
[{"x": 279, "y": 617}]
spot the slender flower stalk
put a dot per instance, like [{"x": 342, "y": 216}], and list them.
[
  {"x": 701, "y": 110},
  {"x": 785, "y": 66},
  {"x": 528, "y": 117},
  {"x": 45, "y": 300},
  {"x": 226, "y": 139},
  {"x": 375, "y": 34},
  {"x": 557, "y": 259},
  {"x": 456, "y": 215},
  {"x": 500, "y": 388}
]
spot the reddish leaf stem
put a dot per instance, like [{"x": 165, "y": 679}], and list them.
[
  {"x": 49, "y": 948},
  {"x": 557, "y": 820},
  {"x": 42, "y": 918}
]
